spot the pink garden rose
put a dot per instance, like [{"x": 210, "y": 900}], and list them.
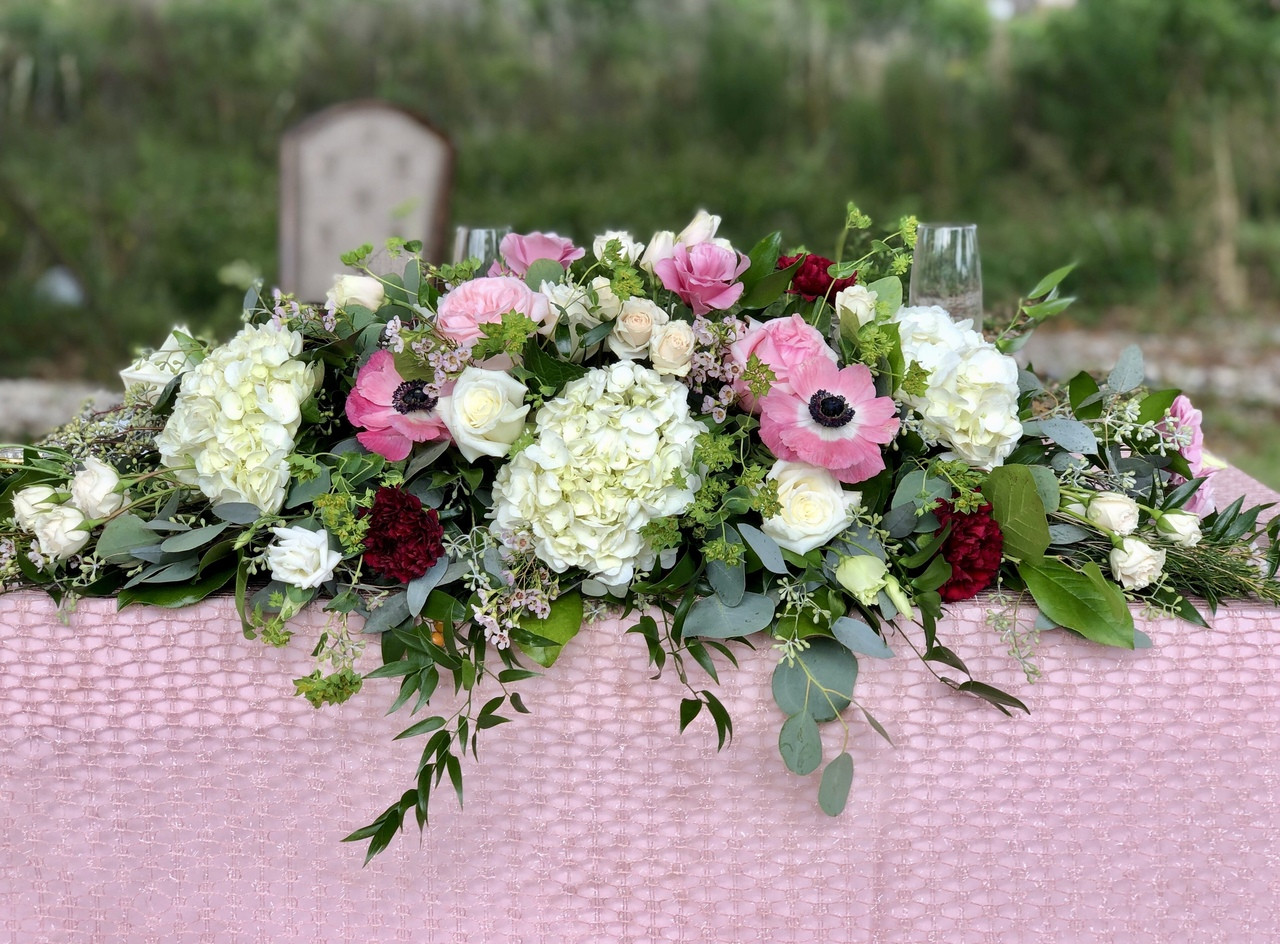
[
  {"x": 832, "y": 418},
  {"x": 520, "y": 252},
  {"x": 704, "y": 276},
  {"x": 395, "y": 413},
  {"x": 1187, "y": 417},
  {"x": 781, "y": 344},
  {"x": 484, "y": 301}
]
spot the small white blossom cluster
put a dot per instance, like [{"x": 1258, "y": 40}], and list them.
[
  {"x": 233, "y": 423},
  {"x": 972, "y": 401},
  {"x": 56, "y": 522},
  {"x": 612, "y": 454}
]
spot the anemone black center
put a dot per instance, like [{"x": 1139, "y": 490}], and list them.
[
  {"x": 829, "y": 409},
  {"x": 411, "y": 397}
]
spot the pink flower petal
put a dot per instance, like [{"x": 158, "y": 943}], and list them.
[
  {"x": 386, "y": 443},
  {"x": 378, "y": 378}
]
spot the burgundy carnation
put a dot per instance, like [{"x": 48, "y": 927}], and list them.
[
  {"x": 974, "y": 549},
  {"x": 404, "y": 539},
  {"x": 811, "y": 280}
]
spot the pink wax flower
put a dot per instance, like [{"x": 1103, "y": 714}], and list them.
[
  {"x": 484, "y": 301},
  {"x": 395, "y": 413},
  {"x": 704, "y": 276},
  {"x": 782, "y": 344},
  {"x": 1187, "y": 418},
  {"x": 831, "y": 417},
  {"x": 520, "y": 252}
]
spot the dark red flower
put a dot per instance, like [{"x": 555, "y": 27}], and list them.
[
  {"x": 404, "y": 539},
  {"x": 974, "y": 549},
  {"x": 811, "y": 280}
]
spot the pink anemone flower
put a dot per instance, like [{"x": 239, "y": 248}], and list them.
[
  {"x": 831, "y": 417},
  {"x": 395, "y": 413}
]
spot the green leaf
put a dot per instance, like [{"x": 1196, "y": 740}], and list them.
[
  {"x": 120, "y": 536},
  {"x": 1083, "y": 600},
  {"x": 549, "y": 369},
  {"x": 1085, "y": 396},
  {"x": 1155, "y": 405},
  {"x": 764, "y": 259},
  {"x": 420, "y": 587},
  {"x": 729, "y": 582},
  {"x": 857, "y": 636},
  {"x": 837, "y": 779},
  {"x": 765, "y": 547},
  {"x": 543, "y": 270},
  {"x": 1071, "y": 435},
  {"x": 819, "y": 679},
  {"x": 1046, "y": 310},
  {"x": 191, "y": 540},
  {"x": 238, "y": 512},
  {"x": 770, "y": 288},
  {"x": 992, "y": 695},
  {"x": 425, "y": 726},
  {"x": 1050, "y": 281},
  {"x": 559, "y": 627},
  {"x": 888, "y": 297},
  {"x": 800, "y": 743},
  {"x": 1047, "y": 487},
  {"x": 302, "y": 493},
  {"x": 1017, "y": 508},
  {"x": 175, "y": 597},
  {"x": 393, "y": 612},
  {"x": 711, "y": 617},
  {"x": 1128, "y": 373},
  {"x": 689, "y": 709}
]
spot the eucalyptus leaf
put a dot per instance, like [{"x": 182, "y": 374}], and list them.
[
  {"x": 420, "y": 587},
  {"x": 712, "y": 618},
  {"x": 837, "y": 779},
  {"x": 857, "y": 636},
  {"x": 121, "y": 537},
  {"x": 1128, "y": 373},
  {"x": 393, "y": 612},
  {"x": 1071, "y": 435},
  {"x": 191, "y": 540},
  {"x": 302, "y": 493},
  {"x": 1046, "y": 487},
  {"x": 800, "y": 743},
  {"x": 238, "y": 512},
  {"x": 1067, "y": 533},
  {"x": 819, "y": 680},
  {"x": 765, "y": 547},
  {"x": 543, "y": 270}
]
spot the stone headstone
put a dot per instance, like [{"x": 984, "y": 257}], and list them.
[{"x": 358, "y": 173}]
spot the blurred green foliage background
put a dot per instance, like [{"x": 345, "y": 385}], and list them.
[{"x": 138, "y": 140}]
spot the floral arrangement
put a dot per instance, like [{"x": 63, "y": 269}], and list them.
[{"x": 719, "y": 444}]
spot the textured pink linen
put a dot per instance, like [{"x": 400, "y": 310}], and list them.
[{"x": 159, "y": 783}]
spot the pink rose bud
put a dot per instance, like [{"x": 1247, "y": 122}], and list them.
[
  {"x": 704, "y": 276},
  {"x": 520, "y": 252}
]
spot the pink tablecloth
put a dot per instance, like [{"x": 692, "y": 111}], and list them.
[{"x": 159, "y": 783}]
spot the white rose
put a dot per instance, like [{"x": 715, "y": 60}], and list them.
[
  {"x": 56, "y": 531},
  {"x": 355, "y": 290},
  {"x": 815, "y": 508},
  {"x": 485, "y": 413},
  {"x": 633, "y": 328},
  {"x": 865, "y": 576},
  {"x": 702, "y": 228},
  {"x": 1180, "y": 527},
  {"x": 1136, "y": 564},
  {"x": 662, "y": 245},
  {"x": 301, "y": 558},
  {"x": 1113, "y": 512},
  {"x": 671, "y": 348},
  {"x": 30, "y": 502},
  {"x": 630, "y": 251},
  {"x": 93, "y": 490},
  {"x": 148, "y": 376},
  {"x": 856, "y": 303},
  {"x": 608, "y": 305}
]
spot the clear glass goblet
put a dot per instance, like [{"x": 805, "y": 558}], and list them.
[
  {"x": 947, "y": 271},
  {"x": 478, "y": 243}
]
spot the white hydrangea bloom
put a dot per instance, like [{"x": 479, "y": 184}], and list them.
[
  {"x": 235, "y": 417},
  {"x": 613, "y": 452},
  {"x": 971, "y": 405}
]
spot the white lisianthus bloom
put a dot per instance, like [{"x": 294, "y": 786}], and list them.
[
  {"x": 485, "y": 413},
  {"x": 633, "y": 328},
  {"x": 855, "y": 303},
  {"x": 1136, "y": 564},
  {"x": 1180, "y": 527},
  {"x": 613, "y": 452},
  {"x": 147, "y": 376},
  {"x": 863, "y": 576},
  {"x": 351, "y": 290},
  {"x": 671, "y": 348},
  {"x": 971, "y": 402},
  {"x": 57, "y": 531},
  {"x": 233, "y": 424},
  {"x": 630, "y": 249},
  {"x": 93, "y": 489},
  {"x": 815, "y": 508},
  {"x": 301, "y": 558},
  {"x": 1113, "y": 512},
  {"x": 30, "y": 502}
]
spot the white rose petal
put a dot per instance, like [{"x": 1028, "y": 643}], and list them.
[
  {"x": 485, "y": 413},
  {"x": 701, "y": 229},
  {"x": 30, "y": 502},
  {"x": 1136, "y": 564},
  {"x": 634, "y": 327},
  {"x": 662, "y": 245},
  {"x": 301, "y": 558},
  {"x": 630, "y": 249},
  {"x": 93, "y": 489},
  {"x": 1114, "y": 512},
  {"x": 815, "y": 507},
  {"x": 855, "y": 303},
  {"x": 56, "y": 531},
  {"x": 671, "y": 348},
  {"x": 351, "y": 290},
  {"x": 1180, "y": 527}
]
